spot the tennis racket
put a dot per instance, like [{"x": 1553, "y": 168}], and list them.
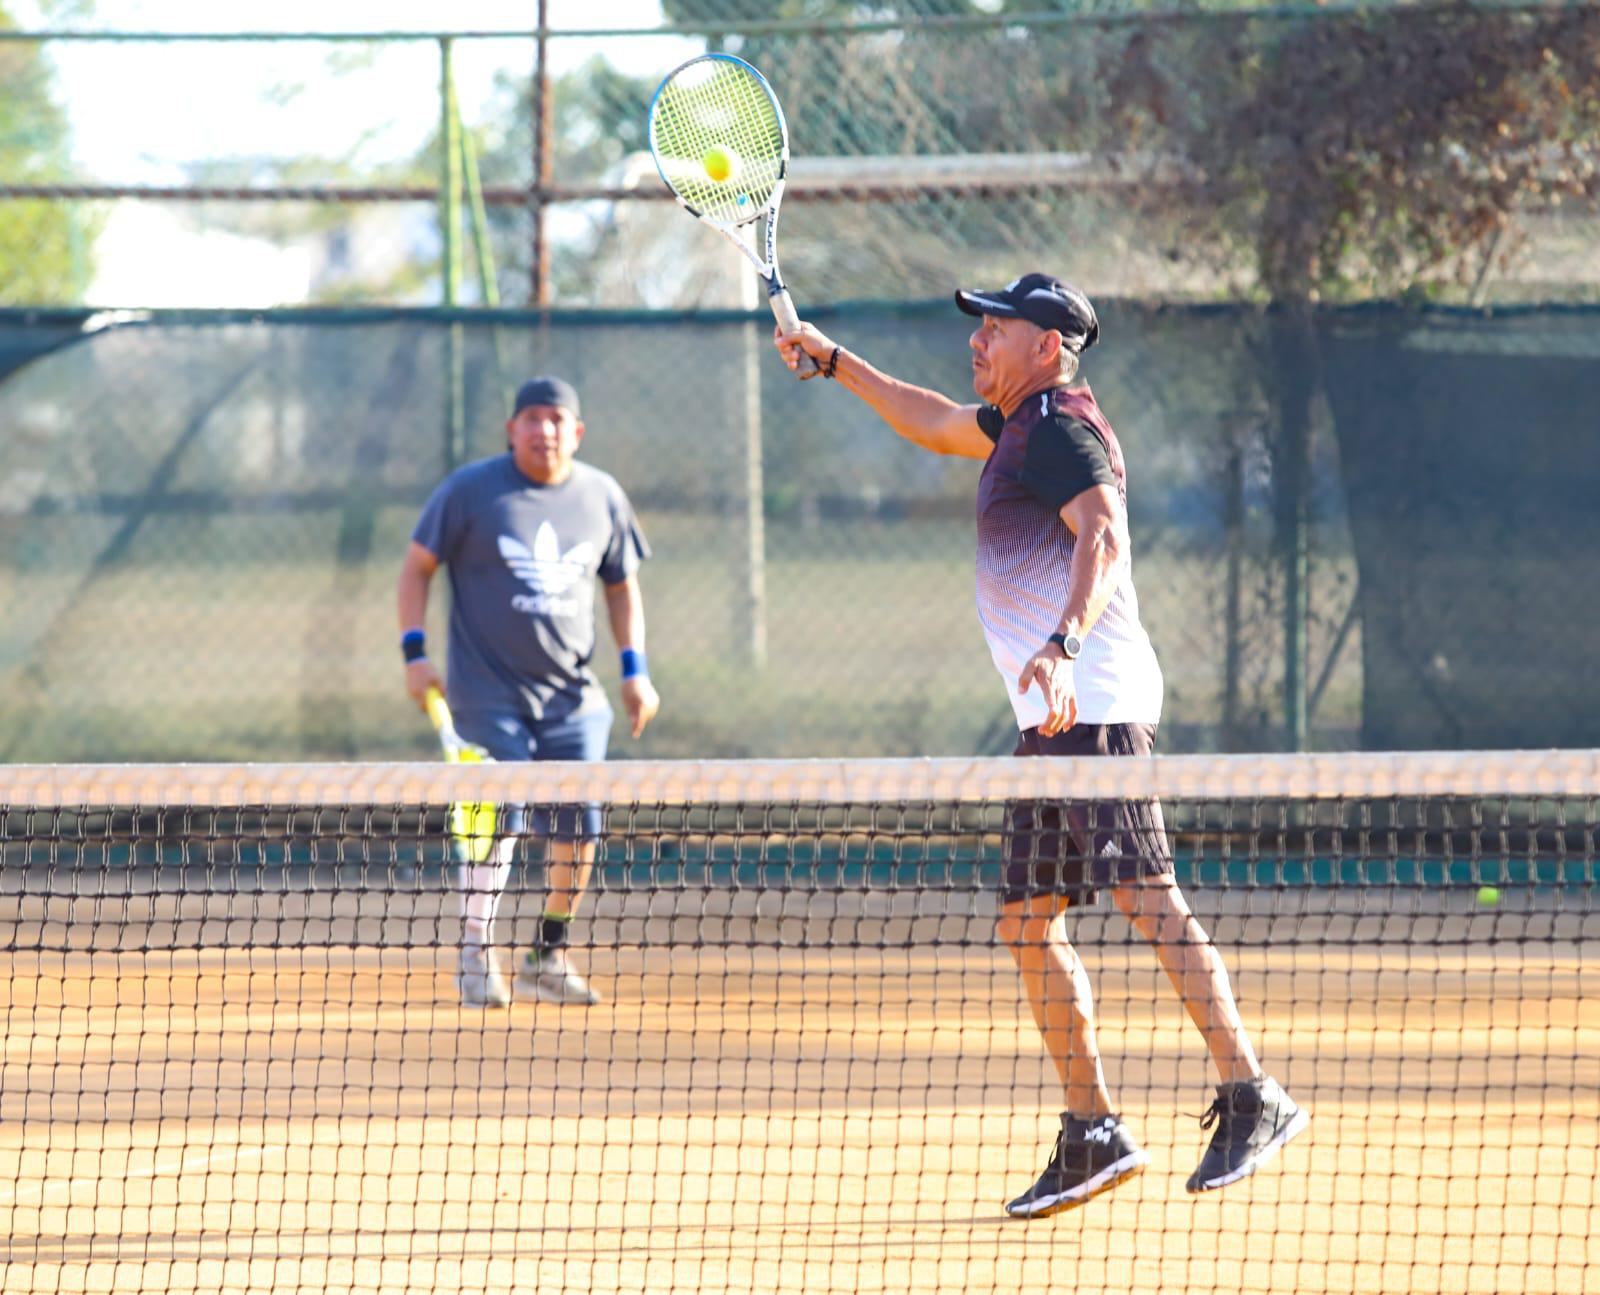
[
  {"x": 471, "y": 824},
  {"x": 721, "y": 144}
]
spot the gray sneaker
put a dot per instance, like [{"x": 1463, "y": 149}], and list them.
[
  {"x": 1090, "y": 1157},
  {"x": 479, "y": 980},
  {"x": 549, "y": 977},
  {"x": 1253, "y": 1119}
]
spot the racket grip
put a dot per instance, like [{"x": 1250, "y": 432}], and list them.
[
  {"x": 789, "y": 320},
  {"x": 438, "y": 709}
]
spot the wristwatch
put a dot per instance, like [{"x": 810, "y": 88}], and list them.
[{"x": 1070, "y": 644}]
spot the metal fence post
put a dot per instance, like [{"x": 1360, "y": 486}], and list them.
[
  {"x": 450, "y": 256},
  {"x": 539, "y": 270}
]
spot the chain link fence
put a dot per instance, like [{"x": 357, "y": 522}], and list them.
[
  {"x": 203, "y": 509},
  {"x": 202, "y": 519},
  {"x": 1213, "y": 151}
]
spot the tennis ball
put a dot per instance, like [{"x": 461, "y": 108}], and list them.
[
  {"x": 720, "y": 163},
  {"x": 1488, "y": 896}
]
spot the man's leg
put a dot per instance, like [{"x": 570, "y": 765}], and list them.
[
  {"x": 1160, "y": 913},
  {"x": 570, "y": 864},
  {"x": 548, "y": 973},
  {"x": 571, "y": 847},
  {"x": 1094, "y": 1151},
  {"x": 483, "y": 862},
  {"x": 1254, "y": 1117},
  {"x": 1057, "y": 985},
  {"x": 480, "y": 885}
]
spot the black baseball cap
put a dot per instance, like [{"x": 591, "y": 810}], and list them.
[
  {"x": 547, "y": 391},
  {"x": 1041, "y": 300}
]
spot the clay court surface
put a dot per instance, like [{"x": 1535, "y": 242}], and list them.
[{"x": 279, "y": 1092}]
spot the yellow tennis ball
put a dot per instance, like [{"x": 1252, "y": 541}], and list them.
[
  {"x": 1488, "y": 896},
  {"x": 719, "y": 163}
]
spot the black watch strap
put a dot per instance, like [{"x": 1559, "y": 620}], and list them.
[{"x": 1060, "y": 640}]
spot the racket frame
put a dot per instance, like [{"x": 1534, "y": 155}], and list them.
[
  {"x": 777, "y": 293},
  {"x": 473, "y": 824}
]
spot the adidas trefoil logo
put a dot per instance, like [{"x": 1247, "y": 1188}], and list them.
[{"x": 551, "y": 574}]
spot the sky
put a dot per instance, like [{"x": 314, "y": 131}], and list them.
[{"x": 140, "y": 111}]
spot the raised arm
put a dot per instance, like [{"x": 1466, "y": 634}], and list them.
[{"x": 923, "y": 417}]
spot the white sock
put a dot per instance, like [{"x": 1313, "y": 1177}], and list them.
[{"x": 482, "y": 884}]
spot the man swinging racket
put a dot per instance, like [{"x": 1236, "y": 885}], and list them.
[{"x": 1057, "y": 603}]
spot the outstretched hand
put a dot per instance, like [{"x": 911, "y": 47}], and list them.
[{"x": 803, "y": 341}]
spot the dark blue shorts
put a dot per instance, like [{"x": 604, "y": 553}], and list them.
[
  {"x": 1068, "y": 849},
  {"x": 511, "y": 737}
]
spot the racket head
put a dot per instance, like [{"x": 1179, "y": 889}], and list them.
[{"x": 720, "y": 102}]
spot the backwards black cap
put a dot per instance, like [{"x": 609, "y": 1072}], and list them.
[
  {"x": 547, "y": 391},
  {"x": 1041, "y": 300}
]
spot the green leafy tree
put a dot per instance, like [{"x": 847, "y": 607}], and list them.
[
  {"x": 1389, "y": 151},
  {"x": 43, "y": 244},
  {"x": 1384, "y": 152}
]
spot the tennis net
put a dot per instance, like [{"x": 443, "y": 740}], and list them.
[{"x": 236, "y": 1056}]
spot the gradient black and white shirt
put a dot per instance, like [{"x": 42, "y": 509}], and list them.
[{"x": 1055, "y": 446}]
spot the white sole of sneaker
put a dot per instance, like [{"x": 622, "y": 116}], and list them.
[
  {"x": 1109, "y": 1177},
  {"x": 1296, "y": 1125},
  {"x": 557, "y": 996},
  {"x": 472, "y": 997}
]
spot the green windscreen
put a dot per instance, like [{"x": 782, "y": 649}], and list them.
[{"x": 202, "y": 518}]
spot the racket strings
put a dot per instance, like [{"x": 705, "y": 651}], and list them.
[{"x": 713, "y": 104}]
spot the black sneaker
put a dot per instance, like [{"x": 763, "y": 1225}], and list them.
[
  {"x": 1091, "y": 1156},
  {"x": 1254, "y": 1118}
]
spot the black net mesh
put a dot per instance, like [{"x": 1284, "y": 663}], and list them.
[{"x": 237, "y": 1054}]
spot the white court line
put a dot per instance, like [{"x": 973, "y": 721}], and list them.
[{"x": 50, "y": 1186}]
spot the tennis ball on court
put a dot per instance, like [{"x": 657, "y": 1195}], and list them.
[
  {"x": 720, "y": 163},
  {"x": 1488, "y": 896}
]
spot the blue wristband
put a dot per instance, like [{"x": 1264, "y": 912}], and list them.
[
  {"x": 634, "y": 666},
  {"x": 413, "y": 645}
]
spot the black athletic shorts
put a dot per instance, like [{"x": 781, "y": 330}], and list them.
[{"x": 1070, "y": 848}]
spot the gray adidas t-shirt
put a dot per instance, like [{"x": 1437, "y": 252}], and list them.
[{"x": 523, "y": 559}]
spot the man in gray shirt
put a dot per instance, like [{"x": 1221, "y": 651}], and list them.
[{"x": 524, "y": 536}]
